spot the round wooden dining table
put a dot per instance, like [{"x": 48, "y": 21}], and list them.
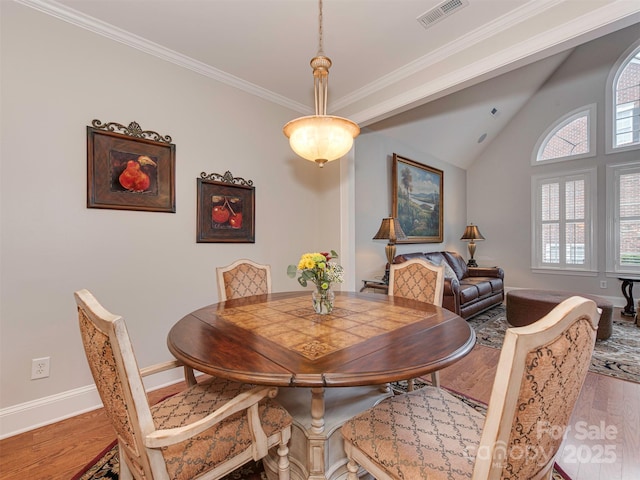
[{"x": 368, "y": 341}]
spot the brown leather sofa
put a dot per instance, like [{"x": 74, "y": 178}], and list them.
[{"x": 468, "y": 291}]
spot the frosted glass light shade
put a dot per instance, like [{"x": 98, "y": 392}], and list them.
[{"x": 321, "y": 138}]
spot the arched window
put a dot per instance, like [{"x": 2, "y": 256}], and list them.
[
  {"x": 623, "y": 102},
  {"x": 568, "y": 138}
]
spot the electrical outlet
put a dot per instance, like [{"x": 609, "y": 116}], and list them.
[
  {"x": 40, "y": 367},
  {"x": 603, "y": 284}
]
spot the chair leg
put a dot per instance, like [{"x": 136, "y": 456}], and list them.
[
  {"x": 410, "y": 385},
  {"x": 435, "y": 379},
  {"x": 284, "y": 467},
  {"x": 125, "y": 472},
  {"x": 352, "y": 468}
]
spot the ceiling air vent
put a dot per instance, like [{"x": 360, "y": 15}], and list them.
[{"x": 441, "y": 11}]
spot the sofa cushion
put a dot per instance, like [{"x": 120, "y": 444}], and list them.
[
  {"x": 457, "y": 263},
  {"x": 484, "y": 287},
  {"x": 436, "y": 258},
  {"x": 468, "y": 293},
  {"x": 497, "y": 285},
  {"x": 472, "y": 288},
  {"x": 448, "y": 271},
  {"x": 439, "y": 258}
]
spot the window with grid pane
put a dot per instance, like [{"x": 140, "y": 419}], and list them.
[
  {"x": 627, "y": 102},
  {"x": 563, "y": 221},
  {"x": 570, "y": 137},
  {"x": 623, "y": 186}
]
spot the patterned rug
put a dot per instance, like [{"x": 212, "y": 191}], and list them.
[
  {"x": 617, "y": 356},
  {"x": 106, "y": 466}
]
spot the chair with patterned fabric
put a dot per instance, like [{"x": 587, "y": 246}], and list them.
[
  {"x": 243, "y": 278},
  {"x": 203, "y": 432},
  {"x": 420, "y": 280},
  {"x": 432, "y": 434}
]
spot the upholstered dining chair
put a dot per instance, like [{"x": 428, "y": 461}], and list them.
[
  {"x": 420, "y": 280},
  {"x": 429, "y": 433},
  {"x": 243, "y": 278},
  {"x": 203, "y": 432}
]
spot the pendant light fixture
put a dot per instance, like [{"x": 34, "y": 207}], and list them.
[{"x": 321, "y": 138}]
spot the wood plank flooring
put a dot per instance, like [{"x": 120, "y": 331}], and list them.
[
  {"x": 603, "y": 441},
  {"x": 60, "y": 450}
]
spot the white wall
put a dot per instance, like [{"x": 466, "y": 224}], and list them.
[
  {"x": 499, "y": 181},
  {"x": 374, "y": 157},
  {"x": 57, "y": 78}
]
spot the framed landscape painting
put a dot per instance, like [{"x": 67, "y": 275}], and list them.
[{"x": 417, "y": 200}]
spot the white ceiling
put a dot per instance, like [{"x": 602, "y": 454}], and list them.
[{"x": 384, "y": 61}]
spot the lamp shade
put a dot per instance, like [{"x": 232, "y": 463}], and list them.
[
  {"x": 472, "y": 233},
  {"x": 321, "y": 138},
  {"x": 391, "y": 230}
]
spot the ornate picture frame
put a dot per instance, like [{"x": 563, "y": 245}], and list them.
[
  {"x": 129, "y": 168},
  {"x": 417, "y": 193},
  {"x": 226, "y": 209}
]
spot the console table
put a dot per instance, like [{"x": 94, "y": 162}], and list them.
[{"x": 627, "y": 290}]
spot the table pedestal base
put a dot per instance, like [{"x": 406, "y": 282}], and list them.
[{"x": 316, "y": 448}]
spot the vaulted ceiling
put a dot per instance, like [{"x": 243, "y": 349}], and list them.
[{"x": 385, "y": 61}]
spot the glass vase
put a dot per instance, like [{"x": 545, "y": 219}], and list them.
[{"x": 323, "y": 300}]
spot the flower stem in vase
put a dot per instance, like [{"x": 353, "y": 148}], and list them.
[{"x": 323, "y": 300}]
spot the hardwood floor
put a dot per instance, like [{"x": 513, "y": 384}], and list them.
[
  {"x": 60, "y": 450},
  {"x": 603, "y": 441}
]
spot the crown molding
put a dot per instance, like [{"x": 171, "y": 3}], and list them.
[
  {"x": 78, "y": 19},
  {"x": 561, "y": 36}
]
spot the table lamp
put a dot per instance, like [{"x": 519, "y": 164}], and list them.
[
  {"x": 391, "y": 230},
  {"x": 471, "y": 233}
]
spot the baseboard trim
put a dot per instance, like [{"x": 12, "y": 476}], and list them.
[
  {"x": 47, "y": 410},
  {"x": 54, "y": 408}
]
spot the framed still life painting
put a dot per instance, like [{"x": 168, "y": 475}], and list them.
[
  {"x": 417, "y": 193},
  {"x": 129, "y": 168},
  {"x": 226, "y": 209}
]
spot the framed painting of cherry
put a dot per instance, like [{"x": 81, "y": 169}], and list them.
[
  {"x": 226, "y": 209},
  {"x": 129, "y": 168}
]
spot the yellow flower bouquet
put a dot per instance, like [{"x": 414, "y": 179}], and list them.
[{"x": 319, "y": 269}]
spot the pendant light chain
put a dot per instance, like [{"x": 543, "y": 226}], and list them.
[
  {"x": 320, "y": 65},
  {"x": 320, "y": 50}
]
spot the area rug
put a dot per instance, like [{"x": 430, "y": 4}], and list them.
[
  {"x": 617, "y": 356},
  {"x": 106, "y": 466}
]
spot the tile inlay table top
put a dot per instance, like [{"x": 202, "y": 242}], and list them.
[
  {"x": 367, "y": 341},
  {"x": 278, "y": 339}
]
